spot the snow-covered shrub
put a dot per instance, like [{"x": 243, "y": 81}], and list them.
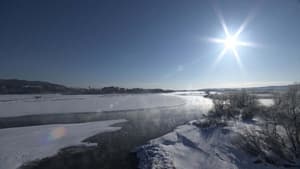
[
  {"x": 208, "y": 122},
  {"x": 245, "y": 103},
  {"x": 265, "y": 147},
  {"x": 277, "y": 140},
  {"x": 234, "y": 106},
  {"x": 285, "y": 113}
]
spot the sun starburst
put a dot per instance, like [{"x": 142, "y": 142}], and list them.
[{"x": 231, "y": 41}]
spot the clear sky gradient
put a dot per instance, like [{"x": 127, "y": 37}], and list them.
[{"x": 150, "y": 44}]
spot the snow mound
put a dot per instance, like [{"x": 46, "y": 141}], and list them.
[
  {"x": 154, "y": 156},
  {"x": 191, "y": 147}
]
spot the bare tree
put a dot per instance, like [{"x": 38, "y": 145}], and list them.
[
  {"x": 235, "y": 105},
  {"x": 284, "y": 114},
  {"x": 289, "y": 111}
]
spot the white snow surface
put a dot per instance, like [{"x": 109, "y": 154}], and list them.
[
  {"x": 190, "y": 147},
  {"x": 193, "y": 100},
  {"x": 24, "y": 144},
  {"x": 266, "y": 102},
  {"x": 17, "y": 105}
]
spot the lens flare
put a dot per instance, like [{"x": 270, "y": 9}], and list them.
[{"x": 57, "y": 133}]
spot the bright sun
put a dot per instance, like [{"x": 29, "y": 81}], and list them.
[{"x": 231, "y": 42}]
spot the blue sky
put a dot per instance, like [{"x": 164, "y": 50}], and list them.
[{"x": 148, "y": 43}]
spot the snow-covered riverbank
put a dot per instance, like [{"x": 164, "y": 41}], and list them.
[{"x": 191, "y": 147}]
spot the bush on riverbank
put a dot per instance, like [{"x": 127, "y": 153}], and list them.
[
  {"x": 275, "y": 138},
  {"x": 240, "y": 105},
  {"x": 281, "y": 124}
]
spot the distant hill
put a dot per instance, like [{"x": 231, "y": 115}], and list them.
[
  {"x": 16, "y": 86},
  {"x": 267, "y": 89},
  {"x": 264, "y": 89}
]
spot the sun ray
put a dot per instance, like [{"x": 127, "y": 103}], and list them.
[
  {"x": 220, "y": 56},
  {"x": 237, "y": 58},
  {"x": 225, "y": 27},
  {"x": 249, "y": 18},
  {"x": 222, "y": 21},
  {"x": 248, "y": 44},
  {"x": 242, "y": 27},
  {"x": 216, "y": 40}
]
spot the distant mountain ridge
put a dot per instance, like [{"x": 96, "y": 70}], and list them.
[
  {"x": 16, "y": 86},
  {"x": 262, "y": 89}
]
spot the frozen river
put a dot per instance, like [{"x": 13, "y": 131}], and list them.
[
  {"x": 18, "y": 105},
  {"x": 146, "y": 116}
]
